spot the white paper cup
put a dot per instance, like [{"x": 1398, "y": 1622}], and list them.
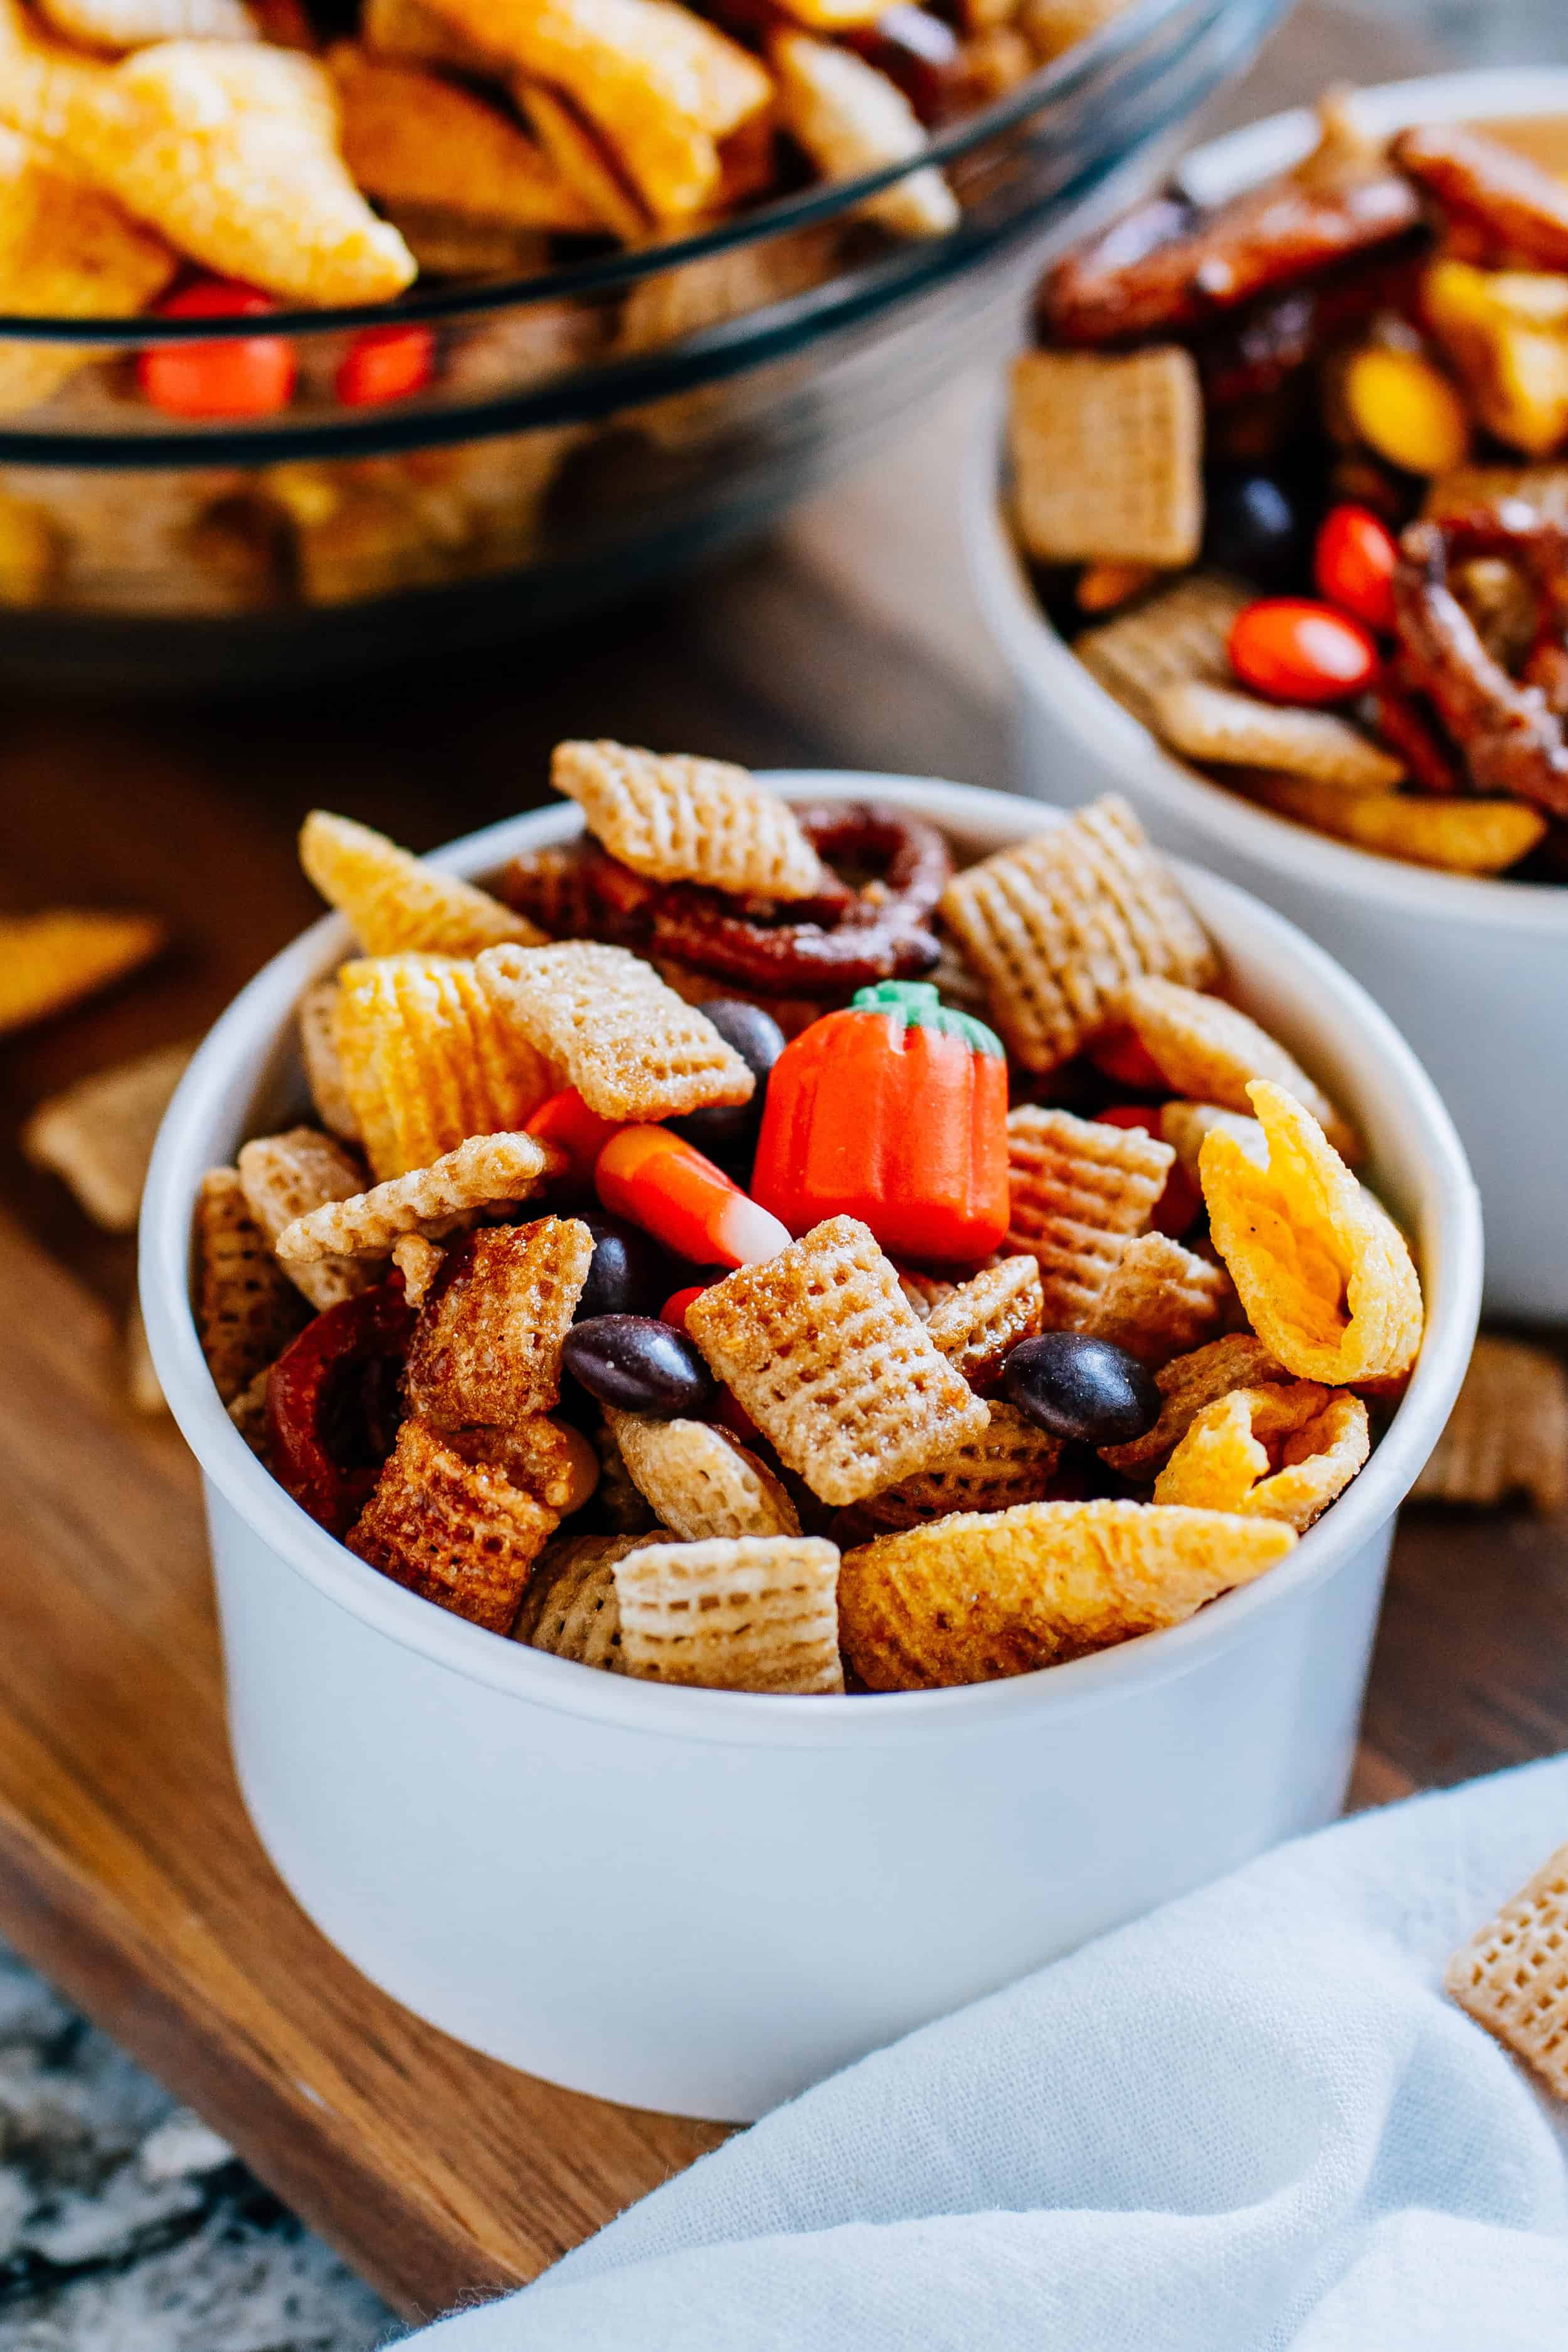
[
  {"x": 704, "y": 1901},
  {"x": 1474, "y": 972}
]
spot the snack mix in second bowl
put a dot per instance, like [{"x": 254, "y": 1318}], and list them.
[
  {"x": 687, "y": 1279},
  {"x": 1293, "y": 474}
]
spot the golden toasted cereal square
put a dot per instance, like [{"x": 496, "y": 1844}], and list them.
[
  {"x": 487, "y": 1171},
  {"x": 570, "y": 1608},
  {"x": 1283, "y": 1452},
  {"x": 1010, "y": 1462},
  {"x": 1107, "y": 451},
  {"x": 486, "y": 1347},
  {"x": 827, "y": 1355},
  {"x": 287, "y": 1176},
  {"x": 1058, "y": 925},
  {"x": 627, "y": 1044},
  {"x": 978, "y": 1324},
  {"x": 51, "y": 960},
  {"x": 851, "y": 118},
  {"x": 247, "y": 1308},
  {"x": 987, "y": 1594},
  {"x": 1188, "y": 1384},
  {"x": 1508, "y": 1434},
  {"x": 1512, "y": 1975},
  {"x": 419, "y": 1261},
  {"x": 1325, "y": 1273},
  {"x": 680, "y": 819},
  {"x": 99, "y": 1133},
  {"x": 1162, "y": 1300},
  {"x": 395, "y": 903},
  {"x": 738, "y": 1612},
  {"x": 1181, "y": 633},
  {"x": 457, "y": 1533},
  {"x": 545, "y": 1458},
  {"x": 701, "y": 1482},
  {"x": 1212, "y": 1051},
  {"x": 429, "y": 1059},
  {"x": 1080, "y": 1192},
  {"x": 1239, "y": 731},
  {"x": 324, "y": 1064}
]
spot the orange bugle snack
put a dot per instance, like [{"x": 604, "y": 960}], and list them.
[
  {"x": 894, "y": 1112},
  {"x": 673, "y": 1193}
]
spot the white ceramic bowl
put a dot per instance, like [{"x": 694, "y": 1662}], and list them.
[
  {"x": 1474, "y": 973},
  {"x": 704, "y": 1901}
]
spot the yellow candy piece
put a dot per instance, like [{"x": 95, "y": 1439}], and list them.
[
  {"x": 1323, "y": 1272},
  {"x": 1507, "y": 332},
  {"x": 1406, "y": 410}
]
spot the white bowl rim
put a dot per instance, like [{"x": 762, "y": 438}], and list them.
[
  {"x": 1038, "y": 651},
  {"x": 260, "y": 1014}
]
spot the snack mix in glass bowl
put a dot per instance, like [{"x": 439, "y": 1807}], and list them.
[
  {"x": 1293, "y": 474},
  {"x": 753, "y": 1249}
]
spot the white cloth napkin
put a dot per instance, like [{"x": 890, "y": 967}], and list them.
[{"x": 1249, "y": 2123}]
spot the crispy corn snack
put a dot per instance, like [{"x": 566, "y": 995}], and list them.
[
  {"x": 1107, "y": 453},
  {"x": 419, "y": 1261},
  {"x": 851, "y": 119},
  {"x": 583, "y": 162},
  {"x": 228, "y": 149},
  {"x": 1506, "y": 332},
  {"x": 700, "y": 1481},
  {"x": 324, "y": 1064},
  {"x": 487, "y": 1348},
  {"x": 1160, "y": 1301},
  {"x": 570, "y": 1607},
  {"x": 285, "y": 1177},
  {"x": 415, "y": 137},
  {"x": 1009, "y": 1462},
  {"x": 1211, "y": 1052},
  {"x": 247, "y": 1308},
  {"x": 143, "y": 1389},
  {"x": 627, "y": 1044},
  {"x": 116, "y": 25},
  {"x": 486, "y": 1170},
  {"x": 1323, "y": 1272},
  {"x": 1508, "y": 1434},
  {"x": 1462, "y": 835},
  {"x": 396, "y": 902},
  {"x": 747, "y": 1613},
  {"x": 1059, "y": 925},
  {"x": 661, "y": 85},
  {"x": 1181, "y": 633},
  {"x": 1080, "y": 1191},
  {"x": 247, "y": 1412},
  {"x": 545, "y": 1457},
  {"x": 457, "y": 1533},
  {"x": 685, "y": 820},
  {"x": 1187, "y": 1385},
  {"x": 51, "y": 960},
  {"x": 66, "y": 251},
  {"x": 1215, "y": 723},
  {"x": 1512, "y": 1975},
  {"x": 424, "y": 35},
  {"x": 429, "y": 1060},
  {"x": 1184, "y": 1125},
  {"x": 1224, "y": 1463},
  {"x": 826, "y": 1354},
  {"x": 99, "y": 1134},
  {"x": 978, "y": 1325},
  {"x": 979, "y": 1596}
]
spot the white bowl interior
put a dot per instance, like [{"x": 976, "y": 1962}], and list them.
[{"x": 247, "y": 1074}]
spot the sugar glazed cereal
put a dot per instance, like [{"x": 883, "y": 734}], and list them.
[
  {"x": 224, "y": 159},
  {"x": 1292, "y": 475},
  {"x": 681, "y": 1282}
]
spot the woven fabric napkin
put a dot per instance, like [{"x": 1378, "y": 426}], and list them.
[{"x": 1249, "y": 2123}]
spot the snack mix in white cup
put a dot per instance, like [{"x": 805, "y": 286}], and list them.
[
  {"x": 1289, "y": 474},
  {"x": 728, "y": 1548}
]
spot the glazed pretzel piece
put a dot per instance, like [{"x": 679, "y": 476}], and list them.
[
  {"x": 1510, "y": 734},
  {"x": 842, "y": 940},
  {"x": 1521, "y": 208}
]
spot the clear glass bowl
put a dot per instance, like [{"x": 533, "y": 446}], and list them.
[{"x": 586, "y": 431}]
